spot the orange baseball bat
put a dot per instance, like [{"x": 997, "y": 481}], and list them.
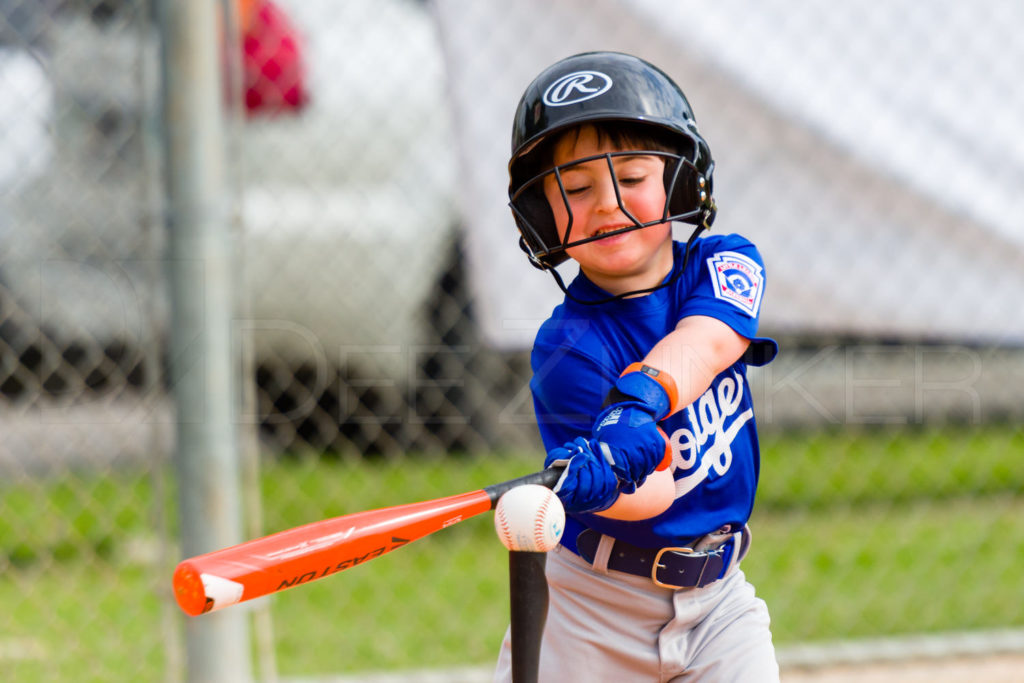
[{"x": 295, "y": 557}]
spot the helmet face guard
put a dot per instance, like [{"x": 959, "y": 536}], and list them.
[
  {"x": 539, "y": 235},
  {"x": 603, "y": 88}
]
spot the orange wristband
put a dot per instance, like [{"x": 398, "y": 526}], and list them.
[{"x": 662, "y": 378}]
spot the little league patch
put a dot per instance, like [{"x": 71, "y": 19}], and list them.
[{"x": 738, "y": 280}]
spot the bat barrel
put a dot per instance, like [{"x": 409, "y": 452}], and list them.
[
  {"x": 313, "y": 551},
  {"x": 297, "y": 556},
  {"x": 189, "y": 591}
]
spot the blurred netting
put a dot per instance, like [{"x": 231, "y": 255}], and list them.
[
  {"x": 891, "y": 497},
  {"x": 85, "y": 426}
]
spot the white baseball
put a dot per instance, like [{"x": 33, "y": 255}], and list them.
[{"x": 529, "y": 518}]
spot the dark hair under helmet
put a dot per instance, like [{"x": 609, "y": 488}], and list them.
[{"x": 596, "y": 87}]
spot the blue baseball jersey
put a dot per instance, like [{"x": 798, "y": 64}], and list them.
[{"x": 581, "y": 350}]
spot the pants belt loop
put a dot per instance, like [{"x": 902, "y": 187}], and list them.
[
  {"x": 740, "y": 541},
  {"x": 604, "y": 551}
]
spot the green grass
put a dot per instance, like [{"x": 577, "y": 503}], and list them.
[
  {"x": 81, "y": 621},
  {"x": 823, "y": 469},
  {"x": 855, "y": 534}
]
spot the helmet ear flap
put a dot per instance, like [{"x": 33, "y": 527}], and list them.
[
  {"x": 689, "y": 186},
  {"x": 536, "y": 223},
  {"x": 682, "y": 183}
]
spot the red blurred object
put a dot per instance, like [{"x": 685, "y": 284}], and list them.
[{"x": 274, "y": 73}]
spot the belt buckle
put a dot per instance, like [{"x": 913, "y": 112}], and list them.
[{"x": 656, "y": 565}]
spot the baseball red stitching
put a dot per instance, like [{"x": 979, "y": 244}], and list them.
[
  {"x": 538, "y": 524},
  {"x": 505, "y": 534}
]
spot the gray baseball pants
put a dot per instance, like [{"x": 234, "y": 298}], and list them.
[{"x": 609, "y": 626}]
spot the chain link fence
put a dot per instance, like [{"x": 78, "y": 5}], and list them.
[{"x": 382, "y": 353}]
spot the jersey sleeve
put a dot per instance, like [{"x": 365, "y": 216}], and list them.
[
  {"x": 568, "y": 389},
  {"x": 728, "y": 285}
]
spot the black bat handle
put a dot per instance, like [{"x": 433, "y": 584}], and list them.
[
  {"x": 528, "y": 603},
  {"x": 548, "y": 477},
  {"x": 528, "y": 588}
]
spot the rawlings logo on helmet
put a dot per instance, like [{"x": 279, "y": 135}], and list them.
[{"x": 576, "y": 87}]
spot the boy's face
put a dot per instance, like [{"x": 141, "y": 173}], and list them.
[{"x": 621, "y": 263}]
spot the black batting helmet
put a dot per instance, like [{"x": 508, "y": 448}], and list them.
[{"x": 598, "y": 87}]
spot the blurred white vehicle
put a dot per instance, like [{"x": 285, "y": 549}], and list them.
[
  {"x": 346, "y": 211},
  {"x": 348, "y": 208}
]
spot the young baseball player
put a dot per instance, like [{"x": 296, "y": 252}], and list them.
[{"x": 639, "y": 382}]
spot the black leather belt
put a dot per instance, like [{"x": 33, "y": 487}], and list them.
[{"x": 674, "y": 568}]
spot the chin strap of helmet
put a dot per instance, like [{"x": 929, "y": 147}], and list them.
[{"x": 701, "y": 227}]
